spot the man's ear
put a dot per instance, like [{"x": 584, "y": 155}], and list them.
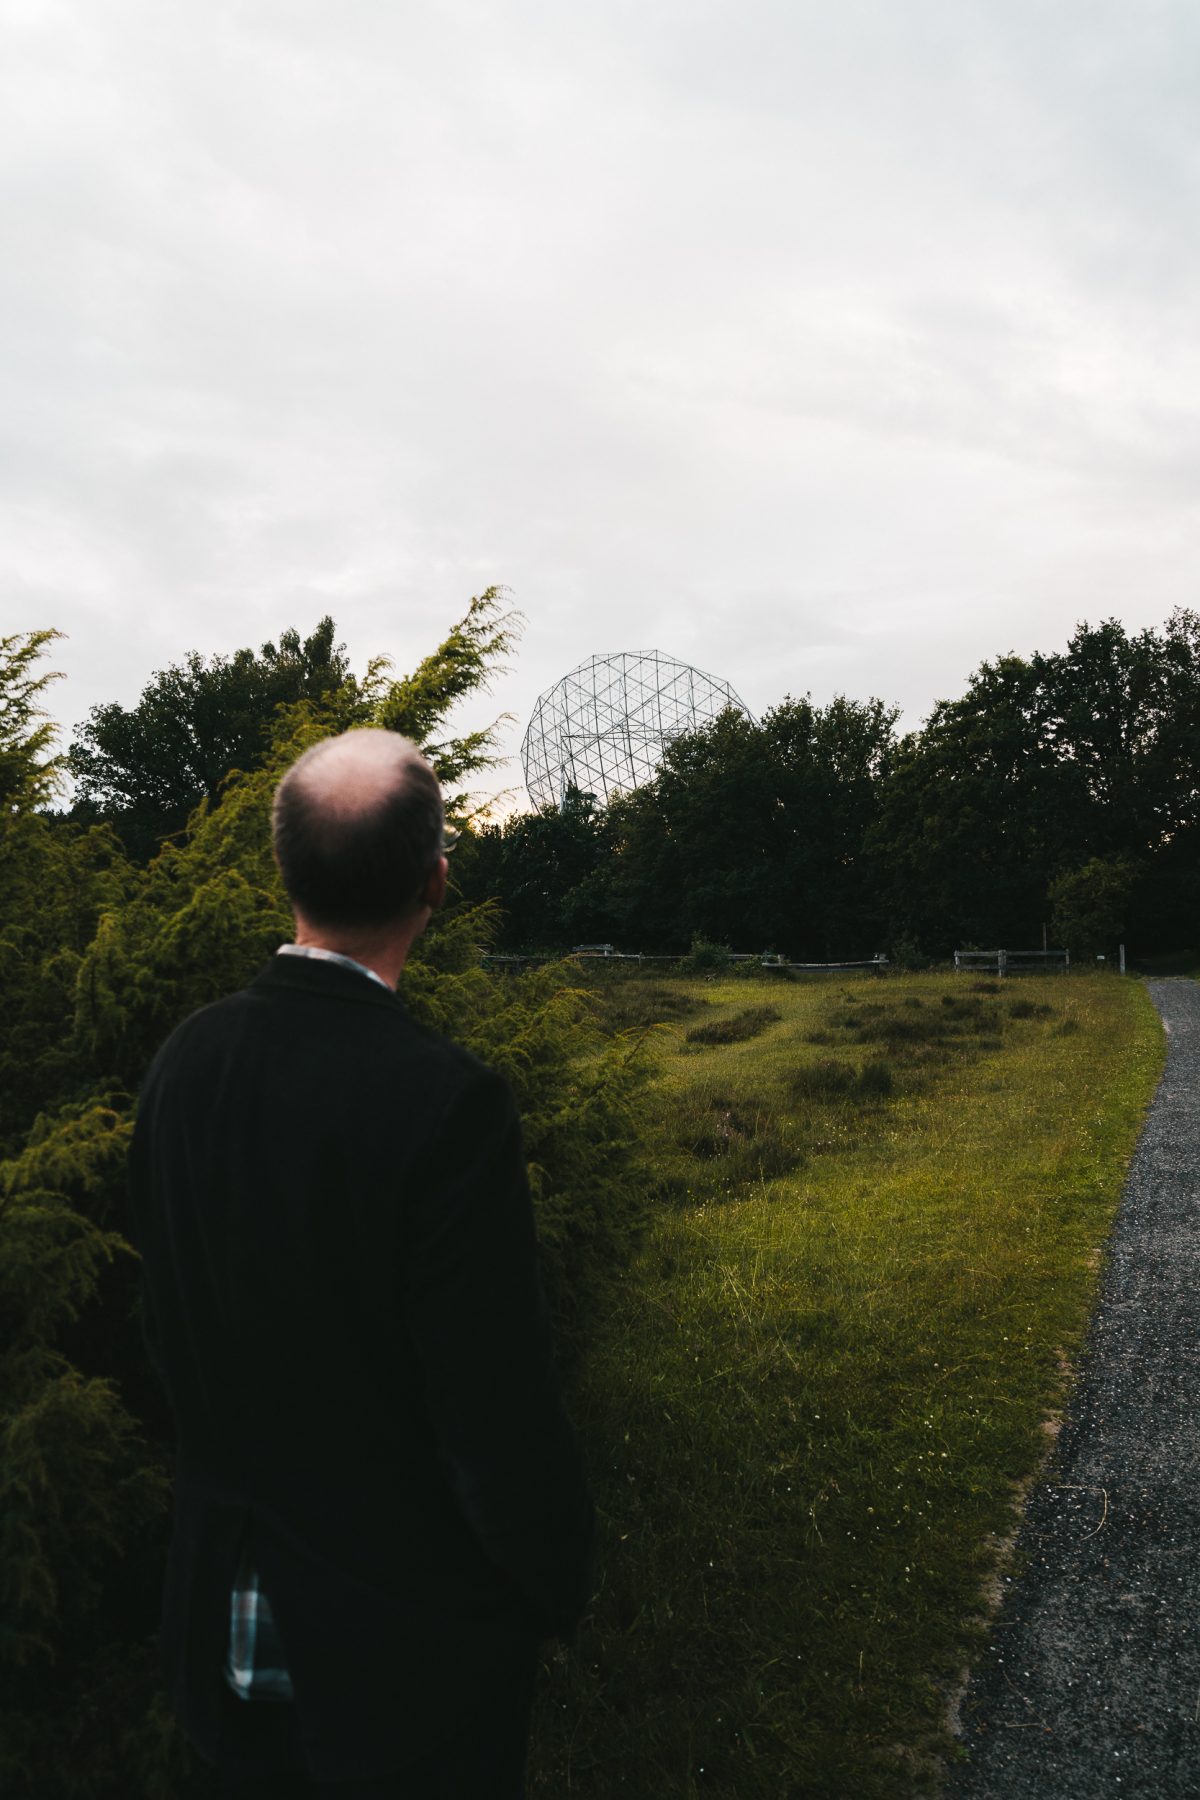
[{"x": 435, "y": 887}]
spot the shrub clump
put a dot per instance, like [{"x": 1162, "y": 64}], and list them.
[
  {"x": 627, "y": 1005},
  {"x": 743, "y": 1025},
  {"x": 1029, "y": 1009},
  {"x": 877, "y": 1079},
  {"x": 831, "y": 1078},
  {"x": 706, "y": 957},
  {"x": 957, "y": 1017},
  {"x": 742, "y": 1135}
]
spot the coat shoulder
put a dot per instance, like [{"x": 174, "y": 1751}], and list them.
[{"x": 353, "y": 1037}]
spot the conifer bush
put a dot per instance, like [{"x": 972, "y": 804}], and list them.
[{"x": 110, "y": 958}]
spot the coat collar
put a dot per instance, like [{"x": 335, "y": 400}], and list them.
[
  {"x": 313, "y": 975},
  {"x": 319, "y": 953}
]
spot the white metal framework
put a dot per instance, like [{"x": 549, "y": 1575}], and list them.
[{"x": 603, "y": 727}]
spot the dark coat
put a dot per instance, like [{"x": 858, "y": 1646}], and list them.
[{"x": 342, "y": 1298}]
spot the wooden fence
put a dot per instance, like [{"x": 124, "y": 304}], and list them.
[
  {"x": 492, "y": 959},
  {"x": 1012, "y": 962}
]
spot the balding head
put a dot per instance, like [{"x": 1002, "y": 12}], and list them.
[{"x": 357, "y": 824}]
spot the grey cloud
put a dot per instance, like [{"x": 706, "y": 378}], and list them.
[{"x": 827, "y": 347}]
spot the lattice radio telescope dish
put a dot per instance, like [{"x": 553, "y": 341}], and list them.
[{"x": 603, "y": 727}]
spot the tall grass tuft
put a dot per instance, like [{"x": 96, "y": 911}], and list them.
[{"x": 738, "y": 1029}]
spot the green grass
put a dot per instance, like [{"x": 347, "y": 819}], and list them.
[{"x": 825, "y": 1382}]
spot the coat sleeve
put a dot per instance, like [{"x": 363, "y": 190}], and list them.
[{"x": 477, "y": 1318}]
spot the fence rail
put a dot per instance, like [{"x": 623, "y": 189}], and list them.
[
  {"x": 492, "y": 959},
  {"x": 1012, "y": 962},
  {"x": 996, "y": 962}
]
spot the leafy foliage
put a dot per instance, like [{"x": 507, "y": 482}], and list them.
[
  {"x": 751, "y": 834},
  {"x": 29, "y": 775},
  {"x": 78, "y": 1489},
  {"x": 467, "y": 660},
  {"x": 705, "y": 957},
  {"x": 580, "y": 1094},
  {"x": 56, "y": 877},
  {"x": 145, "y": 768},
  {"x": 115, "y": 955},
  {"x": 548, "y": 869},
  {"x": 1089, "y": 905},
  {"x": 817, "y": 831},
  {"x": 1042, "y": 766}
]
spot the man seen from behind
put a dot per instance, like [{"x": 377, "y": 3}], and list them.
[{"x": 380, "y": 1508}]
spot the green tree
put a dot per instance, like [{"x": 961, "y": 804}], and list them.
[
  {"x": 973, "y": 815},
  {"x": 545, "y": 871},
  {"x": 55, "y": 879},
  {"x": 146, "y": 767},
  {"x": 1089, "y": 906},
  {"x": 1126, "y": 712},
  {"x": 1043, "y": 764},
  {"x": 753, "y": 834},
  {"x": 1130, "y": 724}
]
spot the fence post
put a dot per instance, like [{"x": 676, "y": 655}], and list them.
[
  {"x": 1001, "y": 962},
  {"x": 1122, "y": 959}
]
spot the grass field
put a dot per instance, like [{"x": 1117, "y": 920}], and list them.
[{"x": 812, "y": 1410}]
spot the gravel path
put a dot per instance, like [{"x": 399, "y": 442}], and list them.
[{"x": 1092, "y": 1686}]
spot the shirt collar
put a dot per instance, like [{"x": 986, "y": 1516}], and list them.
[{"x": 333, "y": 956}]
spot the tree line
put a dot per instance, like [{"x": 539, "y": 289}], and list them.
[{"x": 1059, "y": 791}]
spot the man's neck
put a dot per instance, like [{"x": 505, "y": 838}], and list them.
[{"x": 384, "y": 956}]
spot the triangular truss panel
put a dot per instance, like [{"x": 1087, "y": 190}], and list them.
[{"x": 603, "y": 727}]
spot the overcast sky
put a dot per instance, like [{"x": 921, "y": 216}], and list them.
[{"x": 829, "y": 347}]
